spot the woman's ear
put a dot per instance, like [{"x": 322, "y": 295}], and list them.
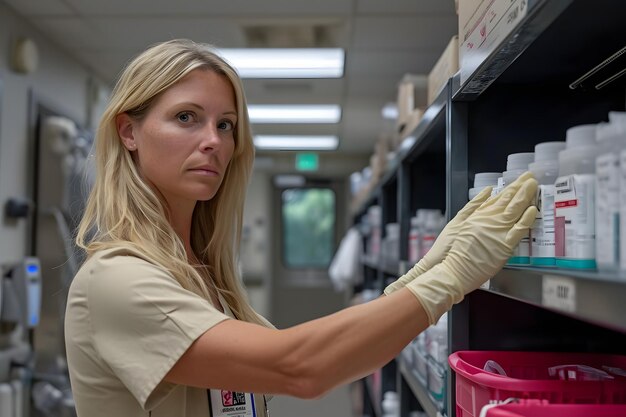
[{"x": 125, "y": 125}]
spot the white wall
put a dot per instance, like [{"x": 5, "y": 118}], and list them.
[{"x": 60, "y": 81}]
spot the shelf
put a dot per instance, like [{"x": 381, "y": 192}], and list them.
[
  {"x": 391, "y": 268},
  {"x": 394, "y": 269},
  {"x": 547, "y": 42},
  {"x": 418, "y": 389},
  {"x": 592, "y": 296},
  {"x": 391, "y": 172},
  {"x": 433, "y": 122},
  {"x": 615, "y": 277},
  {"x": 372, "y": 198},
  {"x": 370, "y": 262},
  {"x": 370, "y": 394},
  {"x": 483, "y": 65}
]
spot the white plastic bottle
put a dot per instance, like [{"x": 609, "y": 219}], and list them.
[
  {"x": 375, "y": 220},
  {"x": 611, "y": 139},
  {"x": 414, "y": 249},
  {"x": 545, "y": 168},
  {"x": 516, "y": 165},
  {"x": 574, "y": 200},
  {"x": 430, "y": 230},
  {"x": 390, "y": 404},
  {"x": 391, "y": 245},
  {"x": 482, "y": 180},
  {"x": 499, "y": 186},
  {"x": 620, "y": 118}
]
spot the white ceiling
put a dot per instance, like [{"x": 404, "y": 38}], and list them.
[{"x": 383, "y": 39}]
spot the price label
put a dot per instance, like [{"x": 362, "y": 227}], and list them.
[{"x": 559, "y": 292}]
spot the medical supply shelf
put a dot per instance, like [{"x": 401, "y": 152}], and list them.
[
  {"x": 372, "y": 402},
  {"x": 520, "y": 92},
  {"x": 576, "y": 293},
  {"x": 501, "y": 46},
  {"x": 408, "y": 375}
]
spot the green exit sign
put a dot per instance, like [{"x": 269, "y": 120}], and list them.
[{"x": 307, "y": 162}]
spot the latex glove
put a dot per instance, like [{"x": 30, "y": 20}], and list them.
[
  {"x": 481, "y": 248},
  {"x": 442, "y": 245}
]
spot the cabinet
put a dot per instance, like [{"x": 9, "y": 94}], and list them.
[{"x": 559, "y": 66}]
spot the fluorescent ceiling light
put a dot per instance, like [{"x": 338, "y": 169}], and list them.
[
  {"x": 286, "y": 63},
  {"x": 292, "y": 142},
  {"x": 390, "y": 111},
  {"x": 300, "y": 113}
]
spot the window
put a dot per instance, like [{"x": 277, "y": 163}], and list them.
[{"x": 308, "y": 219}]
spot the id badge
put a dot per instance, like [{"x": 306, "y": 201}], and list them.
[{"x": 232, "y": 404}]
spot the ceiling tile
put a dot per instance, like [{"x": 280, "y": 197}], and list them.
[
  {"x": 425, "y": 33},
  {"x": 377, "y": 88},
  {"x": 235, "y": 8},
  {"x": 40, "y": 8},
  {"x": 392, "y": 63},
  {"x": 124, "y": 33},
  {"x": 296, "y": 129},
  {"x": 384, "y": 41},
  {"x": 318, "y": 91},
  {"x": 379, "y": 91},
  {"x": 406, "y": 6}
]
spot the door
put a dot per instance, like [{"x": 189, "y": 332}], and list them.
[{"x": 308, "y": 222}]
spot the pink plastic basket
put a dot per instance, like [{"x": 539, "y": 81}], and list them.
[
  {"x": 528, "y": 378},
  {"x": 536, "y": 408}
]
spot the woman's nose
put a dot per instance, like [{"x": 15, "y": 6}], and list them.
[{"x": 210, "y": 139}]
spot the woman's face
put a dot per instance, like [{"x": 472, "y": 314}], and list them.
[{"x": 185, "y": 141}]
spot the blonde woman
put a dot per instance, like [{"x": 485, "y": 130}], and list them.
[{"x": 157, "y": 323}]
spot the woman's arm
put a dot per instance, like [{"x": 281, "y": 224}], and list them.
[
  {"x": 309, "y": 359},
  {"x": 306, "y": 360}
]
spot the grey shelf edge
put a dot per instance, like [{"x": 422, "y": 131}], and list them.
[
  {"x": 597, "y": 297},
  {"x": 426, "y": 124},
  {"x": 417, "y": 388},
  {"x": 393, "y": 269},
  {"x": 423, "y": 128},
  {"x": 390, "y": 172},
  {"x": 541, "y": 13},
  {"x": 371, "y": 263},
  {"x": 397, "y": 268},
  {"x": 370, "y": 393}
]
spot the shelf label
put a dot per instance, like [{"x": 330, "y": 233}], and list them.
[
  {"x": 500, "y": 19},
  {"x": 559, "y": 292}
]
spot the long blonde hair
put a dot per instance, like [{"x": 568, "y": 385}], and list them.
[{"x": 123, "y": 211}]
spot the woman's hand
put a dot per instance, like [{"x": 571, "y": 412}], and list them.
[
  {"x": 482, "y": 246},
  {"x": 442, "y": 245}
]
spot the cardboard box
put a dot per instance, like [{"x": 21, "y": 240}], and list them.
[
  {"x": 471, "y": 12},
  {"x": 446, "y": 67},
  {"x": 411, "y": 123},
  {"x": 409, "y": 89}
]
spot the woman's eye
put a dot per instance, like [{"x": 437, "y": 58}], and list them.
[
  {"x": 184, "y": 117},
  {"x": 226, "y": 125}
]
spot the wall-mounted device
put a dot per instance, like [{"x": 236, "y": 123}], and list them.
[{"x": 21, "y": 293}]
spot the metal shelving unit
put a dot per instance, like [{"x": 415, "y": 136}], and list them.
[
  {"x": 375, "y": 406},
  {"x": 503, "y": 46},
  {"x": 592, "y": 296},
  {"x": 519, "y": 91},
  {"x": 417, "y": 388}
]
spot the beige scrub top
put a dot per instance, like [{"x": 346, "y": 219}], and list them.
[{"x": 127, "y": 323}]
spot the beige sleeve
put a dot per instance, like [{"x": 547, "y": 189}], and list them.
[{"x": 143, "y": 320}]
